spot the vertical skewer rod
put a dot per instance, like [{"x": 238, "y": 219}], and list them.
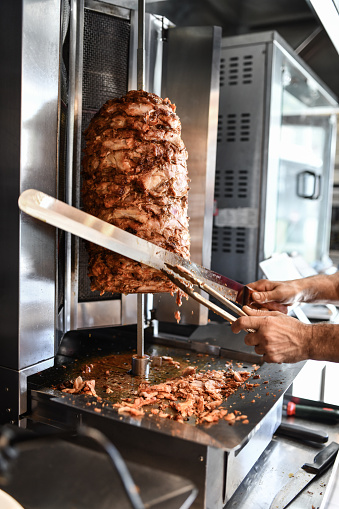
[
  {"x": 141, "y": 46},
  {"x": 140, "y": 324},
  {"x": 141, "y": 85},
  {"x": 140, "y": 362}
]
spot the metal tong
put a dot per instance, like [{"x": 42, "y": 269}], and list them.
[{"x": 186, "y": 280}]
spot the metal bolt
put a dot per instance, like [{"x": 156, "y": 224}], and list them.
[
  {"x": 201, "y": 458},
  {"x": 8, "y": 410},
  {"x": 6, "y": 389}
]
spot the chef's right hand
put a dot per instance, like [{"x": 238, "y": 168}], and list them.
[
  {"x": 273, "y": 295},
  {"x": 277, "y": 337}
]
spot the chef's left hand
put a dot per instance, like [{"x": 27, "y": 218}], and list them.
[{"x": 279, "y": 338}]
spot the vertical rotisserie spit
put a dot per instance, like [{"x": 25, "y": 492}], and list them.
[{"x": 135, "y": 177}]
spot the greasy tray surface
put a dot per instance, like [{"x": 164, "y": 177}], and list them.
[{"x": 103, "y": 365}]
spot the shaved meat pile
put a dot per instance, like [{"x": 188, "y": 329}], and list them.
[
  {"x": 198, "y": 395},
  {"x": 80, "y": 386},
  {"x": 135, "y": 177},
  {"x": 194, "y": 395}
]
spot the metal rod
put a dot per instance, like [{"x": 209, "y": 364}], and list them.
[
  {"x": 141, "y": 46},
  {"x": 139, "y": 363},
  {"x": 140, "y": 324}
]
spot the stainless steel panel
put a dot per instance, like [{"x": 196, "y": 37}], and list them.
[
  {"x": 13, "y": 390},
  {"x": 239, "y": 160},
  {"x": 30, "y": 118},
  {"x": 99, "y": 314},
  {"x": 154, "y": 48},
  {"x": 39, "y": 153},
  {"x": 283, "y": 457},
  {"x": 96, "y": 73},
  {"x": 129, "y": 308},
  {"x": 107, "y": 7},
  {"x": 191, "y": 81},
  {"x": 240, "y": 462}
]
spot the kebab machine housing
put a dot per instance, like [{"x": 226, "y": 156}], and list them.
[
  {"x": 62, "y": 61},
  {"x": 67, "y": 60}
]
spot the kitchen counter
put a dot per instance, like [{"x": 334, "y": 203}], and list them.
[{"x": 282, "y": 458}]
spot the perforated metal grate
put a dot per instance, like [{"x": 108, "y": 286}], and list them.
[
  {"x": 105, "y": 76},
  {"x": 105, "y": 63}
]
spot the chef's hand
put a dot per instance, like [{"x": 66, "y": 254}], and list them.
[
  {"x": 273, "y": 295},
  {"x": 279, "y": 338}
]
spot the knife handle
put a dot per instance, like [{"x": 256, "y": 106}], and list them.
[
  {"x": 311, "y": 412},
  {"x": 322, "y": 460},
  {"x": 244, "y": 297},
  {"x": 301, "y": 433}
]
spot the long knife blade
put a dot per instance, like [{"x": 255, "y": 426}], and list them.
[
  {"x": 84, "y": 225},
  {"x": 304, "y": 476}
]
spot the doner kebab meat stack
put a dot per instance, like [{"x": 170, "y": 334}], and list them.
[{"x": 135, "y": 177}]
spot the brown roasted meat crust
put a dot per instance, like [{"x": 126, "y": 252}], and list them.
[{"x": 135, "y": 177}]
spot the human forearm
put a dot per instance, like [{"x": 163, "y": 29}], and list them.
[
  {"x": 324, "y": 342},
  {"x": 281, "y": 338},
  {"x": 318, "y": 289},
  {"x": 276, "y": 295}
]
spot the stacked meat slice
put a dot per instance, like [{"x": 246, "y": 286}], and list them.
[{"x": 135, "y": 177}]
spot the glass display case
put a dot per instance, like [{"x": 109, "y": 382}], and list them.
[{"x": 304, "y": 180}]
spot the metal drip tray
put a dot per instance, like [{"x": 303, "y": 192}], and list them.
[{"x": 216, "y": 457}]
